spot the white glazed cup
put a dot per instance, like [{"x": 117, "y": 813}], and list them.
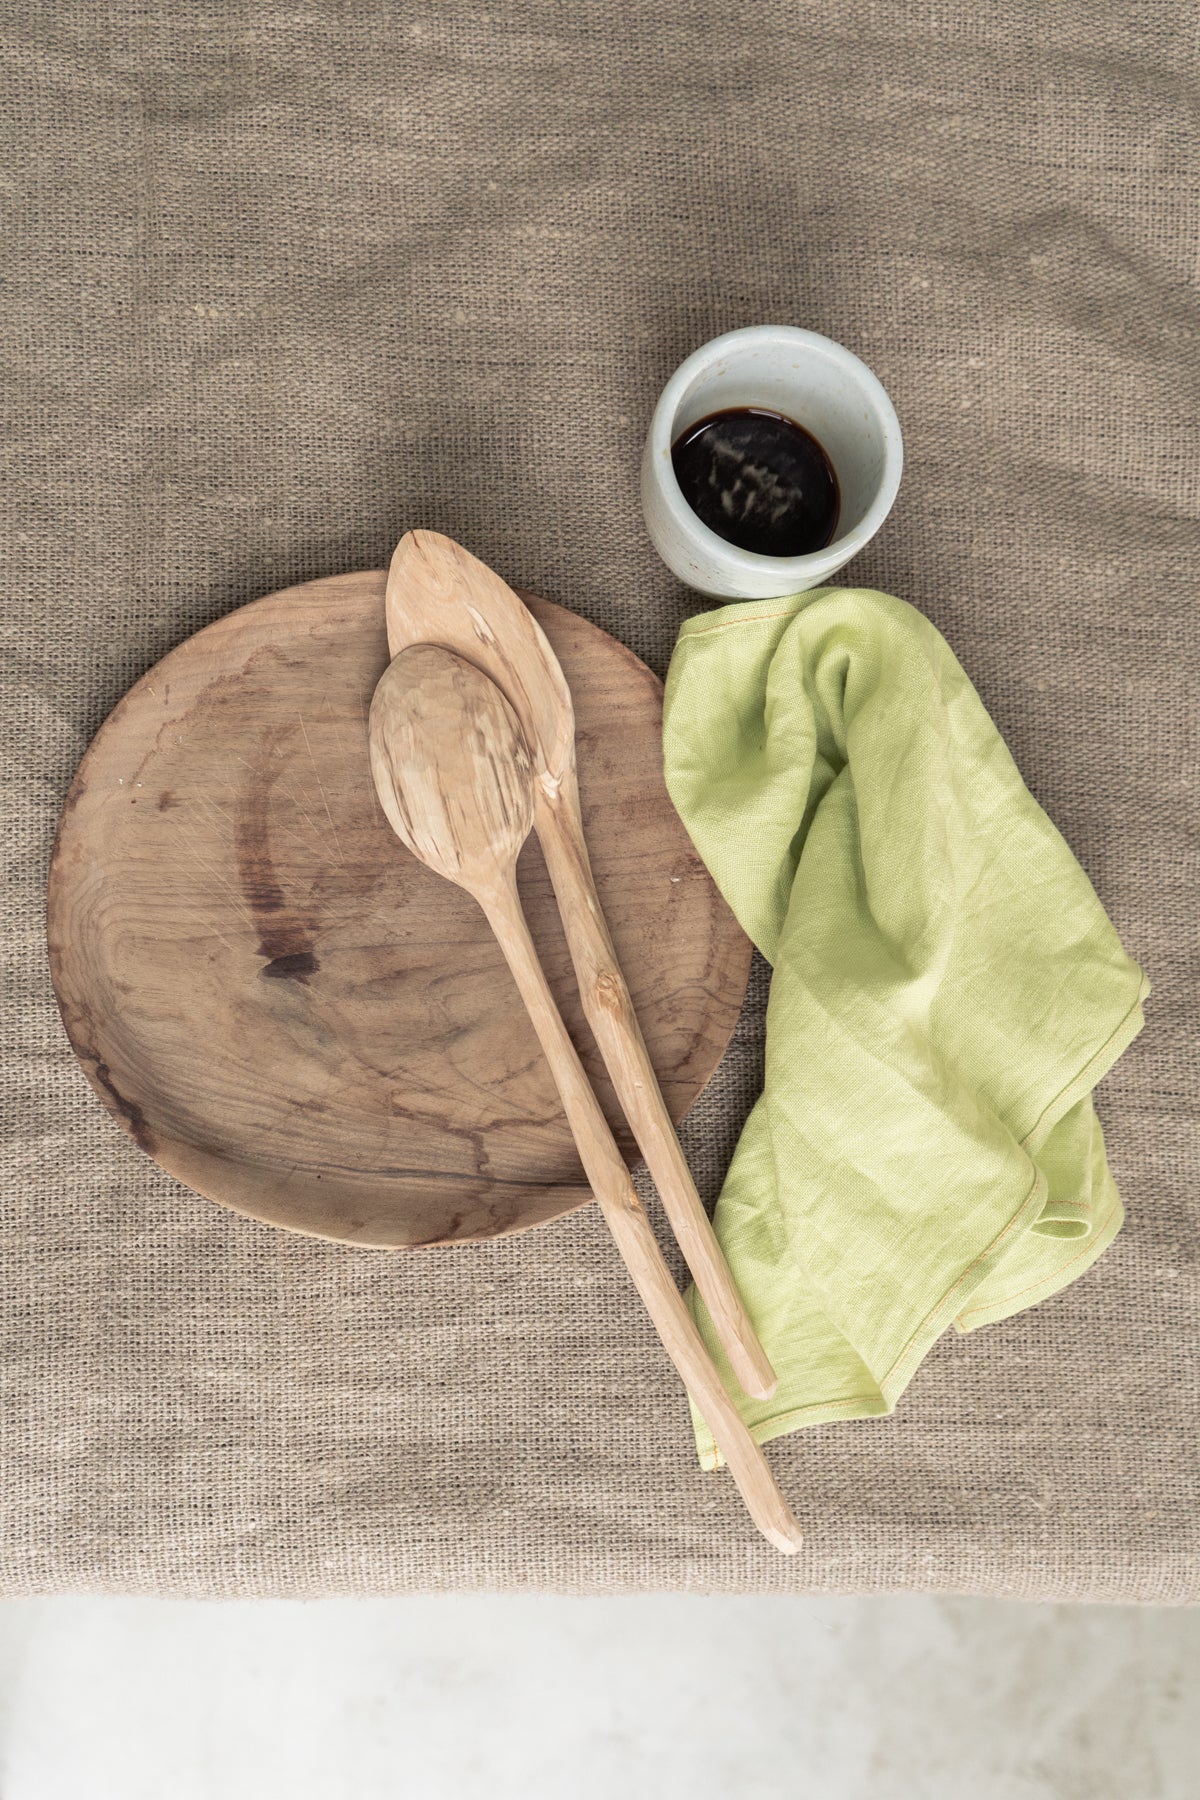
[{"x": 820, "y": 385}]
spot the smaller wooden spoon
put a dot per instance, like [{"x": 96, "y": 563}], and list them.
[{"x": 456, "y": 781}]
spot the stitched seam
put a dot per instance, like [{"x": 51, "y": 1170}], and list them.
[
  {"x": 1017, "y": 1219},
  {"x": 1089, "y": 1244},
  {"x": 832, "y": 1408},
  {"x": 1089, "y": 1065},
  {"x": 732, "y": 624},
  {"x": 793, "y": 1412}
]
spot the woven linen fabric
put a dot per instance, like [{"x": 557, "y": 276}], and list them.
[
  {"x": 946, "y": 993},
  {"x": 282, "y": 281}
]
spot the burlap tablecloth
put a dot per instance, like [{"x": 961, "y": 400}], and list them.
[{"x": 284, "y": 281}]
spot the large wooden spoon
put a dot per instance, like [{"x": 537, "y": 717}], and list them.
[
  {"x": 456, "y": 781},
  {"x": 437, "y": 592}
]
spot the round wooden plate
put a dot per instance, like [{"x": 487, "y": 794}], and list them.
[{"x": 285, "y": 1009}]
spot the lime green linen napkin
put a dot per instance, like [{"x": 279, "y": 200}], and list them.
[{"x": 947, "y": 991}]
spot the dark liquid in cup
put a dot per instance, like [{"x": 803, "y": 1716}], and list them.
[{"x": 758, "y": 480}]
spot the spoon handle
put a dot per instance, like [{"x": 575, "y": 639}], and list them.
[
  {"x": 610, "y": 1013},
  {"x": 626, "y": 1219}
]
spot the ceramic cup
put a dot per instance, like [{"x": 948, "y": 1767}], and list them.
[{"x": 820, "y": 385}]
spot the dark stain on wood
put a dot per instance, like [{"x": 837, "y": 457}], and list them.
[
  {"x": 256, "y": 870},
  {"x": 284, "y": 940},
  {"x": 128, "y": 1111},
  {"x": 296, "y": 965}
]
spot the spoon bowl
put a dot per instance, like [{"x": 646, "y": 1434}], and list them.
[{"x": 451, "y": 766}]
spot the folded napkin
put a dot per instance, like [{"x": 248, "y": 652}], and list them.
[{"x": 947, "y": 991}]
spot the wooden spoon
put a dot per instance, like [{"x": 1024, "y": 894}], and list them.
[
  {"x": 437, "y": 592},
  {"x": 456, "y": 781}
]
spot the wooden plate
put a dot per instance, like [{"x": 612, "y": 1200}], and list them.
[{"x": 286, "y": 1010}]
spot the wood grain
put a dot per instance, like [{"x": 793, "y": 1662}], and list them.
[{"x": 291, "y": 1014}]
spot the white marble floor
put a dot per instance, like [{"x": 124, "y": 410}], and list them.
[{"x": 539, "y": 1698}]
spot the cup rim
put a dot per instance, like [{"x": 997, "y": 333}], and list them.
[{"x": 789, "y": 569}]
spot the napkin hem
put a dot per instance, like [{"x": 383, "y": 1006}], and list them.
[
  {"x": 818, "y": 1412},
  {"x": 748, "y": 612},
  {"x": 1094, "y": 1246},
  {"x": 1093, "y": 1071}
]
